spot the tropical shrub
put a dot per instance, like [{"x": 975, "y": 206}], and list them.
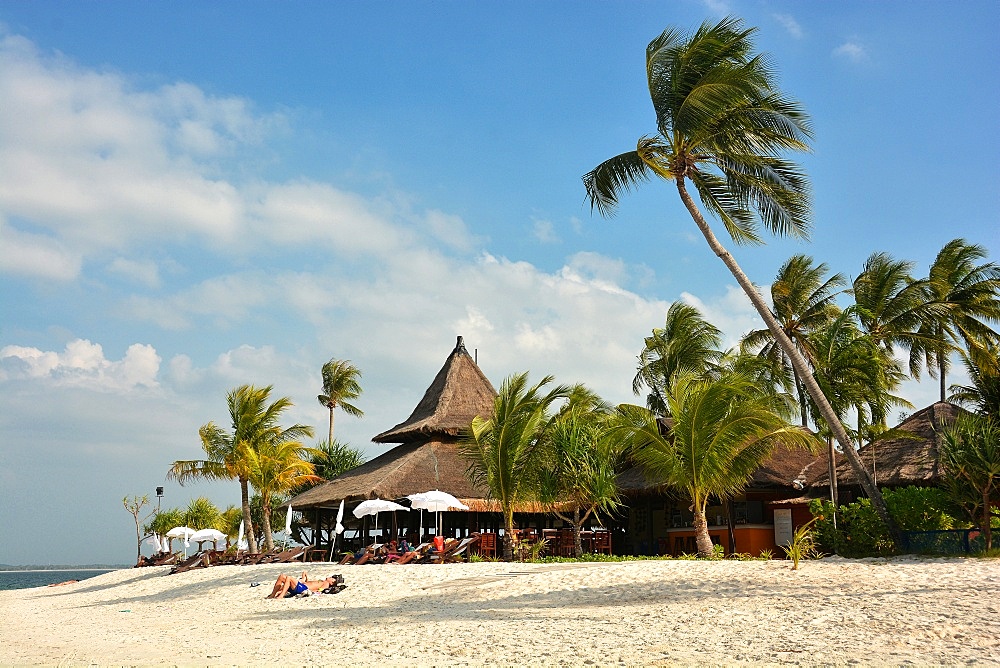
[{"x": 859, "y": 531}]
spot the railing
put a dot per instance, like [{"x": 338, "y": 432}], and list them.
[{"x": 952, "y": 541}]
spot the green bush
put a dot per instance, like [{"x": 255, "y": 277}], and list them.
[{"x": 860, "y": 532}]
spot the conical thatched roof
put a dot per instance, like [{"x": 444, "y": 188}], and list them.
[
  {"x": 902, "y": 460},
  {"x": 428, "y": 457},
  {"x": 406, "y": 469},
  {"x": 459, "y": 392}
]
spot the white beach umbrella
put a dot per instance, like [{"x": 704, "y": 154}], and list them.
[
  {"x": 240, "y": 543},
  {"x": 205, "y": 535},
  {"x": 288, "y": 524},
  {"x": 339, "y": 529},
  {"x": 376, "y": 506},
  {"x": 165, "y": 545},
  {"x": 182, "y": 532},
  {"x": 154, "y": 541},
  {"x": 436, "y": 501}
]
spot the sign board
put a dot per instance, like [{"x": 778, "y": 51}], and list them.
[{"x": 782, "y": 526}]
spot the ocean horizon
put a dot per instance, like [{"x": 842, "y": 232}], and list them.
[{"x": 26, "y": 578}]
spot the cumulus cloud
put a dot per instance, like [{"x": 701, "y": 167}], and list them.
[{"x": 82, "y": 363}]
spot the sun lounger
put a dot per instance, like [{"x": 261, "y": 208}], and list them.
[
  {"x": 192, "y": 562},
  {"x": 417, "y": 553},
  {"x": 454, "y": 552}
]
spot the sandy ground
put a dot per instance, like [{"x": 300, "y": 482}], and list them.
[{"x": 833, "y": 611}]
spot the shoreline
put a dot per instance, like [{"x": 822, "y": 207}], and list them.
[{"x": 830, "y": 611}]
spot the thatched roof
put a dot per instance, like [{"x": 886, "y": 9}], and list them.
[
  {"x": 904, "y": 460},
  {"x": 781, "y": 470},
  {"x": 406, "y": 469},
  {"x": 459, "y": 392},
  {"x": 428, "y": 457}
]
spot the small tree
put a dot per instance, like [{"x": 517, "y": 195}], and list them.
[
  {"x": 134, "y": 506},
  {"x": 970, "y": 456},
  {"x": 580, "y": 477},
  {"x": 505, "y": 450}
]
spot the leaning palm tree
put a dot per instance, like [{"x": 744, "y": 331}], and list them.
[
  {"x": 969, "y": 292},
  {"x": 721, "y": 430},
  {"x": 504, "y": 450},
  {"x": 340, "y": 387},
  {"x": 803, "y": 299},
  {"x": 722, "y": 126},
  {"x": 685, "y": 342},
  {"x": 253, "y": 422},
  {"x": 278, "y": 465}
]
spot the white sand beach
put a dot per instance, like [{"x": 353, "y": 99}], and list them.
[{"x": 832, "y": 611}]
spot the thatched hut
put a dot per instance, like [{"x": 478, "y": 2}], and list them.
[
  {"x": 659, "y": 520},
  {"x": 427, "y": 457},
  {"x": 909, "y": 458}
]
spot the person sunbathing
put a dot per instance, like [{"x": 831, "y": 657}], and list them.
[{"x": 287, "y": 586}]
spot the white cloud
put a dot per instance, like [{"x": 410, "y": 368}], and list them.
[
  {"x": 852, "y": 51},
  {"x": 790, "y": 24},
  {"x": 36, "y": 255},
  {"x": 82, "y": 364},
  {"x": 544, "y": 231},
  {"x": 144, "y": 272}
]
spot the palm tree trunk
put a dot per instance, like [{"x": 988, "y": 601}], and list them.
[
  {"x": 941, "y": 373},
  {"x": 268, "y": 538},
  {"x": 799, "y": 364},
  {"x": 987, "y": 520},
  {"x": 330, "y": 440},
  {"x": 247, "y": 521},
  {"x": 701, "y": 537},
  {"x": 508, "y": 535},
  {"x": 577, "y": 541}
]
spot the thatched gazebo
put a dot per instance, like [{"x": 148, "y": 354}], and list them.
[{"x": 427, "y": 457}]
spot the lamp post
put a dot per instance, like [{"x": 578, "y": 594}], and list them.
[{"x": 159, "y": 495}]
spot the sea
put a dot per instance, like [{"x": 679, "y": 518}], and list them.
[{"x": 40, "y": 578}]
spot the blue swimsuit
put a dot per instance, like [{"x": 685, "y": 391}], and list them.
[{"x": 300, "y": 587}]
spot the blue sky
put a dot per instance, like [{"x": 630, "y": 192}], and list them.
[{"x": 203, "y": 195}]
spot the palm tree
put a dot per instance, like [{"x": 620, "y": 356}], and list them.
[
  {"x": 685, "y": 342},
  {"x": 983, "y": 395},
  {"x": 968, "y": 294},
  {"x": 722, "y": 126},
  {"x": 504, "y": 451},
  {"x": 891, "y": 306},
  {"x": 201, "y": 513},
  {"x": 277, "y": 466},
  {"x": 803, "y": 302},
  {"x": 970, "y": 456},
  {"x": 580, "y": 475},
  {"x": 722, "y": 429},
  {"x": 340, "y": 386},
  {"x": 254, "y": 422}
]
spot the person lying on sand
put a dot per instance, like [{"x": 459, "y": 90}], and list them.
[{"x": 286, "y": 585}]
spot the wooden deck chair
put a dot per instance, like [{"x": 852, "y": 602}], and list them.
[
  {"x": 602, "y": 542},
  {"x": 453, "y": 550},
  {"x": 487, "y": 545},
  {"x": 194, "y": 561}
]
